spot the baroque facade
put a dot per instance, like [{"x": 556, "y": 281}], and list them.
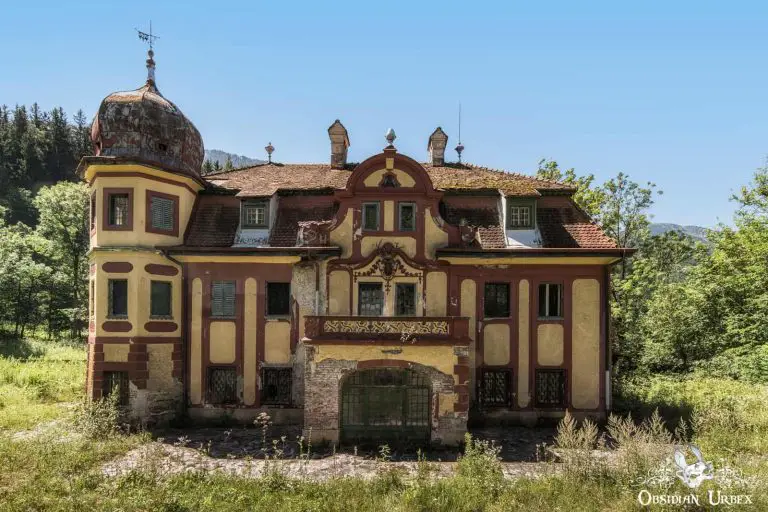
[{"x": 385, "y": 299}]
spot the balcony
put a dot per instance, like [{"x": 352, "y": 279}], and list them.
[{"x": 451, "y": 330}]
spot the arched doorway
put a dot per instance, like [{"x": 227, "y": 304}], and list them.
[{"x": 386, "y": 405}]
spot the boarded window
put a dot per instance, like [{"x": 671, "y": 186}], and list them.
[
  {"x": 222, "y": 385},
  {"x": 495, "y": 388},
  {"x": 407, "y": 217},
  {"x": 496, "y": 303},
  {"x": 118, "y": 298},
  {"x": 276, "y": 386},
  {"x": 550, "y": 300},
  {"x": 278, "y": 299},
  {"x": 116, "y": 383},
  {"x": 118, "y": 209},
  {"x": 370, "y": 299},
  {"x": 161, "y": 210},
  {"x": 223, "y": 298},
  {"x": 550, "y": 388},
  {"x": 370, "y": 216},
  {"x": 405, "y": 299},
  {"x": 160, "y": 299}
]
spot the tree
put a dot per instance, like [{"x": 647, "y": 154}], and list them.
[
  {"x": 588, "y": 198},
  {"x": 228, "y": 166}
]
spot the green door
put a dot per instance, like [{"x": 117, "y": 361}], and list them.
[{"x": 385, "y": 406}]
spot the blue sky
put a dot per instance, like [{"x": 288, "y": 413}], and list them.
[{"x": 669, "y": 92}]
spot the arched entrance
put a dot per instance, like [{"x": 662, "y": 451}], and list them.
[{"x": 385, "y": 405}]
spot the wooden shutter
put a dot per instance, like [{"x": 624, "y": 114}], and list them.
[
  {"x": 162, "y": 213},
  {"x": 223, "y": 298}
]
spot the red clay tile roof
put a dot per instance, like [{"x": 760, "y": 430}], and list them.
[
  {"x": 286, "y": 227},
  {"x": 213, "y": 224},
  {"x": 487, "y": 220},
  {"x": 266, "y": 179},
  {"x": 569, "y": 227}
]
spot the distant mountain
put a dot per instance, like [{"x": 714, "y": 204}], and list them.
[
  {"x": 217, "y": 155},
  {"x": 697, "y": 232}
]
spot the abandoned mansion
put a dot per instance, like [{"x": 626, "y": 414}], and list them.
[{"x": 385, "y": 299}]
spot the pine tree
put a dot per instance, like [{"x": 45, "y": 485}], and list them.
[
  {"x": 207, "y": 167},
  {"x": 228, "y": 166}
]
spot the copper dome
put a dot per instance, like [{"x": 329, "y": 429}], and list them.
[{"x": 143, "y": 125}]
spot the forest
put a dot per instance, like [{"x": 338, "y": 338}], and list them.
[{"x": 678, "y": 306}]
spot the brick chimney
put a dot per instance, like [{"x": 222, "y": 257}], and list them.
[
  {"x": 339, "y": 144},
  {"x": 436, "y": 146}
]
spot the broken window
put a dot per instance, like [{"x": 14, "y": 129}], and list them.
[
  {"x": 370, "y": 299},
  {"x": 160, "y": 299},
  {"x": 278, "y": 299},
  {"x": 222, "y": 385},
  {"x": 116, "y": 383},
  {"x": 496, "y": 303},
  {"x": 550, "y": 300},
  {"x": 407, "y": 217},
  {"x": 405, "y": 299},
  {"x": 118, "y": 298},
  {"x": 495, "y": 388},
  {"x": 370, "y": 216},
  {"x": 276, "y": 386},
  {"x": 223, "y": 298},
  {"x": 119, "y": 209},
  {"x": 550, "y": 388}
]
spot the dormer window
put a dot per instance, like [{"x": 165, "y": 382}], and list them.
[
  {"x": 255, "y": 215},
  {"x": 521, "y": 214}
]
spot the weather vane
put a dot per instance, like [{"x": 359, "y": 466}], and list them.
[{"x": 149, "y": 37}]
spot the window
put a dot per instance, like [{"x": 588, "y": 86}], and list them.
[
  {"x": 254, "y": 215},
  {"x": 550, "y": 388},
  {"x": 116, "y": 383},
  {"x": 92, "y": 299},
  {"x": 162, "y": 212},
  {"x": 370, "y": 300},
  {"x": 370, "y": 216},
  {"x": 407, "y": 217},
  {"x": 222, "y": 385},
  {"x": 389, "y": 181},
  {"x": 160, "y": 299},
  {"x": 276, "y": 386},
  {"x": 405, "y": 299},
  {"x": 223, "y": 298},
  {"x": 93, "y": 211},
  {"x": 520, "y": 215},
  {"x": 495, "y": 388},
  {"x": 118, "y": 209},
  {"x": 550, "y": 300},
  {"x": 496, "y": 304},
  {"x": 118, "y": 298},
  {"x": 278, "y": 299}
]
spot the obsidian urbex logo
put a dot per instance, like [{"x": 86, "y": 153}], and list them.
[{"x": 731, "y": 485}]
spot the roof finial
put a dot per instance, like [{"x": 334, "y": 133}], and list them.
[
  {"x": 390, "y": 136},
  {"x": 269, "y": 148},
  {"x": 459, "y": 146},
  {"x": 149, "y": 37}
]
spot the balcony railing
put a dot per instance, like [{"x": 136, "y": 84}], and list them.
[{"x": 403, "y": 328}]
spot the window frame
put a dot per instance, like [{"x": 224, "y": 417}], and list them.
[
  {"x": 234, "y": 299},
  {"x": 148, "y": 227},
  {"x": 267, "y": 312},
  {"x": 107, "y": 195},
  {"x": 244, "y": 214},
  {"x": 521, "y": 203},
  {"x": 510, "y": 383},
  {"x": 485, "y": 301},
  {"x": 124, "y": 392},
  {"x": 111, "y": 301},
  {"x": 92, "y": 210},
  {"x": 360, "y": 296},
  {"x": 563, "y": 386},
  {"x": 415, "y": 298},
  {"x": 264, "y": 399},
  {"x": 208, "y": 392},
  {"x": 365, "y": 216},
  {"x": 400, "y": 206},
  {"x": 154, "y": 316},
  {"x": 561, "y": 301}
]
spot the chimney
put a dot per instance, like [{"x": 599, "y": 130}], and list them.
[
  {"x": 436, "y": 147},
  {"x": 339, "y": 144}
]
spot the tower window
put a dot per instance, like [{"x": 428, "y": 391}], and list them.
[
  {"x": 118, "y": 298},
  {"x": 160, "y": 300},
  {"x": 162, "y": 213},
  {"x": 118, "y": 209},
  {"x": 93, "y": 211}
]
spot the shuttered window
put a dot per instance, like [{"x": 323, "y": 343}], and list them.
[
  {"x": 160, "y": 299},
  {"x": 161, "y": 212},
  {"x": 223, "y": 298}
]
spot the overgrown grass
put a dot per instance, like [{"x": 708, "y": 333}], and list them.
[{"x": 36, "y": 379}]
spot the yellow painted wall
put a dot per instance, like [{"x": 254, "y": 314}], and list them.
[
  {"x": 277, "y": 342},
  {"x": 469, "y": 309},
  {"x": 139, "y": 285},
  {"x": 437, "y": 293},
  {"x": 406, "y": 243},
  {"x": 160, "y": 367},
  {"x": 496, "y": 344},
  {"x": 550, "y": 344},
  {"x": 403, "y": 178},
  {"x": 440, "y": 357},
  {"x": 116, "y": 352},
  {"x": 250, "y": 364},
  {"x": 586, "y": 344},
  {"x": 434, "y": 236},
  {"x": 338, "y": 293},
  {"x": 196, "y": 344},
  {"x": 523, "y": 345},
  {"x": 389, "y": 215},
  {"x": 341, "y": 235},
  {"x": 533, "y": 260},
  {"x": 222, "y": 342}
]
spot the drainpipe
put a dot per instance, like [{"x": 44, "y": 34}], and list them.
[{"x": 184, "y": 329}]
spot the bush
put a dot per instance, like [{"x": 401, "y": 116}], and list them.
[{"x": 97, "y": 419}]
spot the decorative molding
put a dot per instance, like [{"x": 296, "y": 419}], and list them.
[
  {"x": 388, "y": 266},
  {"x": 117, "y": 267},
  {"x": 160, "y": 270}
]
